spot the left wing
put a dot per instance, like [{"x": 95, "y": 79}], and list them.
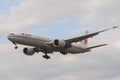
[{"x": 77, "y": 39}]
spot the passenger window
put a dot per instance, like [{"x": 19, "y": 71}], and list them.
[
  {"x": 23, "y": 34},
  {"x": 12, "y": 33}
]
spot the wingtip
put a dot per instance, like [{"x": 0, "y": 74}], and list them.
[
  {"x": 115, "y": 26},
  {"x": 105, "y": 44}
]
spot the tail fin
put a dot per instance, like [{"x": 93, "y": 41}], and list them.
[{"x": 85, "y": 42}]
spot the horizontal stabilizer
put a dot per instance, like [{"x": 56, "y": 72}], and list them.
[{"x": 96, "y": 46}]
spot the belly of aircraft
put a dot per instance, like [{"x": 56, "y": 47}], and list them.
[
  {"x": 30, "y": 42},
  {"x": 73, "y": 50},
  {"x": 41, "y": 44}
]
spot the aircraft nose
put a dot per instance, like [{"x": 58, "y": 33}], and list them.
[{"x": 9, "y": 37}]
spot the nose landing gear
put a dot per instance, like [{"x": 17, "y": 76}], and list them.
[{"x": 16, "y": 47}]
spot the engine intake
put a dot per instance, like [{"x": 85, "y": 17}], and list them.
[
  {"x": 59, "y": 43},
  {"x": 28, "y": 51}
]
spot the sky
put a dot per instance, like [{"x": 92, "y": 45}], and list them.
[{"x": 60, "y": 19}]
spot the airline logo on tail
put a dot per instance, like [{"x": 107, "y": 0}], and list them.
[{"x": 85, "y": 42}]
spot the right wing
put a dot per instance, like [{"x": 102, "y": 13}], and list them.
[{"x": 77, "y": 39}]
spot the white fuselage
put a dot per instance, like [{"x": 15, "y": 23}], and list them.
[{"x": 41, "y": 42}]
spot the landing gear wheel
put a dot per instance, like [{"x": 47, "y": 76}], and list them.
[
  {"x": 16, "y": 47},
  {"x": 46, "y": 56},
  {"x": 64, "y": 52}
]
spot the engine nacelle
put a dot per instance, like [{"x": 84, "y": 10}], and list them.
[
  {"x": 28, "y": 51},
  {"x": 59, "y": 43}
]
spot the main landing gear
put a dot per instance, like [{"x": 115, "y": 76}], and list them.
[
  {"x": 46, "y": 56},
  {"x": 16, "y": 47},
  {"x": 64, "y": 52}
]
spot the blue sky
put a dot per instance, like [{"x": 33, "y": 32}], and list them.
[
  {"x": 57, "y": 32},
  {"x": 6, "y": 4},
  {"x": 57, "y": 29},
  {"x": 60, "y": 19},
  {"x": 50, "y": 29},
  {"x": 5, "y": 9}
]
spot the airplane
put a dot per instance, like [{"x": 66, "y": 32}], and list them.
[{"x": 50, "y": 45}]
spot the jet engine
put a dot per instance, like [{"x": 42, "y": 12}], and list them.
[
  {"x": 28, "y": 51},
  {"x": 59, "y": 43}
]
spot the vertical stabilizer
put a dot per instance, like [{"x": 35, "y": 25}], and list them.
[{"x": 85, "y": 42}]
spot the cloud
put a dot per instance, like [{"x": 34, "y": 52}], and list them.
[
  {"x": 35, "y": 12},
  {"x": 102, "y": 12},
  {"x": 96, "y": 65},
  {"x": 117, "y": 45}
]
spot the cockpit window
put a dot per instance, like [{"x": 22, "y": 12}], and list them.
[{"x": 25, "y": 34}]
